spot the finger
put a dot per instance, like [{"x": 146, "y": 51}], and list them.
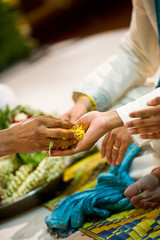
[
  {"x": 109, "y": 148},
  {"x": 155, "y": 204},
  {"x": 154, "y": 102},
  {"x": 45, "y": 142},
  {"x": 121, "y": 153},
  {"x": 150, "y": 136},
  {"x": 58, "y": 143},
  {"x": 115, "y": 152},
  {"x": 85, "y": 126},
  {"x": 145, "y": 113},
  {"x": 76, "y": 115},
  {"x": 104, "y": 144},
  {"x": 63, "y": 144},
  {"x": 147, "y": 205},
  {"x": 91, "y": 137},
  {"x": 148, "y": 129},
  {"x": 151, "y": 121},
  {"x": 85, "y": 144},
  {"x": 42, "y": 147},
  {"x": 60, "y": 133},
  {"x": 65, "y": 117},
  {"x": 52, "y": 122},
  {"x": 67, "y": 152}
]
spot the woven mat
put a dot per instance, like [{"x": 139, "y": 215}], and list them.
[{"x": 132, "y": 224}]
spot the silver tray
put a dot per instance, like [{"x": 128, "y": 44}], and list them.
[{"x": 31, "y": 199}]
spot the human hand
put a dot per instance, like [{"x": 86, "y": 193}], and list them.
[
  {"x": 148, "y": 126},
  {"x": 95, "y": 124},
  {"x": 80, "y": 108},
  {"x": 115, "y": 145},
  {"x": 35, "y": 134}
]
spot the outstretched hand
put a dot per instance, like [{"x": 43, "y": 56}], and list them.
[
  {"x": 115, "y": 145},
  {"x": 35, "y": 134},
  {"x": 148, "y": 124},
  {"x": 95, "y": 124}
]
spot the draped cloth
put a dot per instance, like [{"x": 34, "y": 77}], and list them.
[{"x": 107, "y": 198}]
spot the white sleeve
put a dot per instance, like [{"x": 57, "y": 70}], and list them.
[
  {"x": 137, "y": 58},
  {"x": 139, "y": 104}
]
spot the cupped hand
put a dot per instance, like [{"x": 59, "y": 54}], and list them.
[
  {"x": 79, "y": 109},
  {"x": 95, "y": 124},
  {"x": 115, "y": 145},
  {"x": 35, "y": 134},
  {"x": 148, "y": 124}
]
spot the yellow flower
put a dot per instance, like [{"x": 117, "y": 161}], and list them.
[{"x": 79, "y": 130}]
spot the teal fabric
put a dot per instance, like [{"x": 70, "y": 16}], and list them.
[{"x": 107, "y": 197}]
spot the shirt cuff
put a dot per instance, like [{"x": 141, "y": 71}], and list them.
[
  {"x": 91, "y": 102},
  {"x": 139, "y": 104}
]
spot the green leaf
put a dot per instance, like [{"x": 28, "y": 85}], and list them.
[{"x": 31, "y": 158}]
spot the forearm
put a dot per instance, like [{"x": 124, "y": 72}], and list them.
[{"x": 7, "y": 142}]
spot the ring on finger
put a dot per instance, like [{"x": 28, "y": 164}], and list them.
[{"x": 115, "y": 148}]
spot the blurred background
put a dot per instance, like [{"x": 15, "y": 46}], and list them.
[{"x": 32, "y": 32}]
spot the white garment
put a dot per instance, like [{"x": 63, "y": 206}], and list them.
[
  {"x": 137, "y": 58},
  {"x": 144, "y": 162},
  {"x": 140, "y": 103},
  {"x": 149, "y": 156}
]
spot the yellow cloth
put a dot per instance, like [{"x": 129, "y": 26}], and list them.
[{"x": 92, "y": 104}]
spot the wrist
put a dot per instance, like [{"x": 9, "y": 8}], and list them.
[
  {"x": 112, "y": 120},
  {"x": 89, "y": 102}
]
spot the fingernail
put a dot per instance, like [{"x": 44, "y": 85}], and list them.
[
  {"x": 130, "y": 131},
  {"x": 149, "y": 102},
  {"x": 75, "y": 142},
  {"x": 126, "y": 125},
  {"x": 142, "y": 136}
]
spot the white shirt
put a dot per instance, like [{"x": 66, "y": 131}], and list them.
[{"x": 136, "y": 60}]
